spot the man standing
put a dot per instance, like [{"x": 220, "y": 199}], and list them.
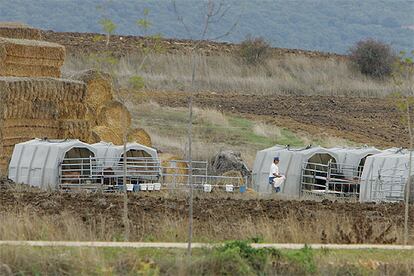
[{"x": 275, "y": 178}]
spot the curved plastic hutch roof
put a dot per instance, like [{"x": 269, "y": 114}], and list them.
[
  {"x": 387, "y": 170},
  {"x": 291, "y": 164},
  {"x": 354, "y": 158},
  {"x": 112, "y": 153},
  {"x": 36, "y": 162}
]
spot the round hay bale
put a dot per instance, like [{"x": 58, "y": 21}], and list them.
[
  {"x": 115, "y": 115},
  {"x": 237, "y": 178},
  {"x": 105, "y": 134},
  {"x": 139, "y": 136},
  {"x": 98, "y": 87},
  {"x": 171, "y": 168}
]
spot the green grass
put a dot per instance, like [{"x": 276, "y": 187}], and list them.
[
  {"x": 233, "y": 258},
  {"x": 248, "y": 136},
  {"x": 213, "y": 131}
]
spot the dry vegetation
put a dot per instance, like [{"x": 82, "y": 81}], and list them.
[
  {"x": 288, "y": 75},
  {"x": 35, "y": 215},
  {"x": 214, "y": 130},
  {"x": 232, "y": 259}
]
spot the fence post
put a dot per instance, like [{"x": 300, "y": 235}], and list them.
[{"x": 328, "y": 176}]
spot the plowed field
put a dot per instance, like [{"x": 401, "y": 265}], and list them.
[
  {"x": 362, "y": 120},
  {"x": 81, "y": 43},
  {"x": 216, "y": 217}
]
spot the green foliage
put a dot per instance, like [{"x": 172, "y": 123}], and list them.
[
  {"x": 144, "y": 23},
  {"x": 108, "y": 26},
  {"x": 305, "y": 258},
  {"x": 373, "y": 58},
  {"x": 104, "y": 62},
  {"x": 254, "y": 51},
  {"x": 246, "y": 258},
  {"x": 136, "y": 82}
]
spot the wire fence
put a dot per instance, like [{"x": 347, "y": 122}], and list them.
[
  {"x": 141, "y": 174},
  {"x": 388, "y": 185}
]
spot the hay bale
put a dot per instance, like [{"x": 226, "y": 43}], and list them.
[
  {"x": 91, "y": 116},
  {"x": 30, "y": 58},
  {"x": 14, "y": 89},
  {"x": 139, "y": 136},
  {"x": 237, "y": 178},
  {"x": 106, "y": 134},
  {"x": 19, "y": 30},
  {"x": 74, "y": 129},
  {"x": 99, "y": 88},
  {"x": 115, "y": 115},
  {"x": 38, "y": 109},
  {"x": 171, "y": 168},
  {"x": 20, "y": 130}
]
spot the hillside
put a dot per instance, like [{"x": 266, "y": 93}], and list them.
[{"x": 322, "y": 25}]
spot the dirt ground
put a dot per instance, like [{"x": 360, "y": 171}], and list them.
[
  {"x": 82, "y": 43},
  {"x": 222, "y": 216},
  {"x": 361, "y": 120},
  {"x": 368, "y": 121}
]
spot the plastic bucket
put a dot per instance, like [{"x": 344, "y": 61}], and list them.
[{"x": 243, "y": 189}]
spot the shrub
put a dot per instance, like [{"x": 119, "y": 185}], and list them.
[
  {"x": 373, "y": 58},
  {"x": 254, "y": 51},
  {"x": 253, "y": 260}
]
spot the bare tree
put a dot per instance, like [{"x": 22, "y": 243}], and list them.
[
  {"x": 215, "y": 12},
  {"x": 106, "y": 62}
]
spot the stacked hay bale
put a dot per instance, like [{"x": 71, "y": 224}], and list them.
[
  {"x": 30, "y": 58},
  {"x": 108, "y": 118},
  {"x": 40, "y": 107},
  {"x": 19, "y": 31},
  {"x": 174, "y": 171},
  {"x": 34, "y": 102}
]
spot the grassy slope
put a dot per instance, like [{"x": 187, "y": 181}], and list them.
[
  {"x": 214, "y": 130},
  {"x": 231, "y": 260}
]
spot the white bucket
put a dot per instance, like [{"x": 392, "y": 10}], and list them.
[
  {"x": 207, "y": 188},
  {"x": 157, "y": 186}
]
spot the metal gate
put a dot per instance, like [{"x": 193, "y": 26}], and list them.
[
  {"x": 330, "y": 179},
  {"x": 107, "y": 174}
]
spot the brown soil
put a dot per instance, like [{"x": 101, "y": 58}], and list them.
[
  {"x": 222, "y": 214},
  {"x": 81, "y": 43},
  {"x": 362, "y": 120}
]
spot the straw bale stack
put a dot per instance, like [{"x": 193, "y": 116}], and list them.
[
  {"x": 99, "y": 88},
  {"x": 19, "y": 30},
  {"x": 139, "y": 136},
  {"x": 40, "y": 107},
  {"x": 30, "y": 58},
  {"x": 106, "y": 134},
  {"x": 52, "y": 89},
  {"x": 70, "y": 129},
  {"x": 171, "y": 167},
  {"x": 115, "y": 115}
]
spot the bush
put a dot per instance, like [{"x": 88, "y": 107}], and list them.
[
  {"x": 373, "y": 58},
  {"x": 240, "y": 252},
  {"x": 254, "y": 51}
]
